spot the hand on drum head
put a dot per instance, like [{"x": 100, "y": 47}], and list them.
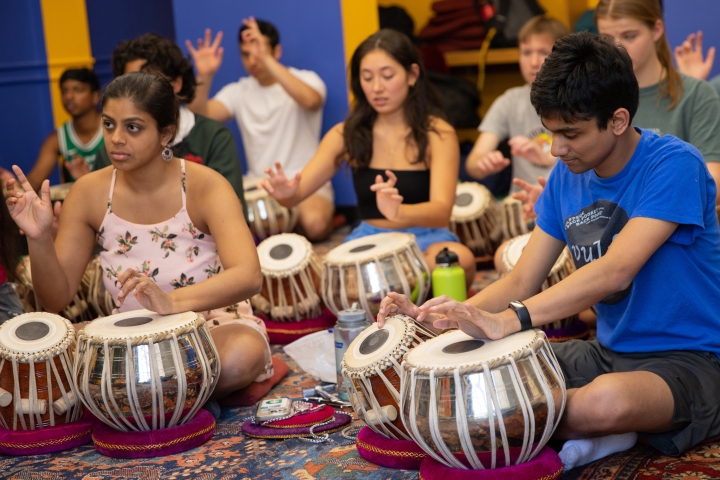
[
  {"x": 395, "y": 303},
  {"x": 529, "y": 196},
  {"x": 387, "y": 196},
  {"x": 492, "y": 162},
  {"x": 278, "y": 184},
  {"x": 33, "y": 214},
  {"x": 146, "y": 292},
  {"x": 453, "y": 314}
]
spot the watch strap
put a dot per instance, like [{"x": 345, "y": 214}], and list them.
[{"x": 522, "y": 313}]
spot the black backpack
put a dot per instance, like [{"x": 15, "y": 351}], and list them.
[{"x": 509, "y": 18}]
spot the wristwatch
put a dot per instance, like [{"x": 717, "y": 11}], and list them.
[{"x": 522, "y": 313}]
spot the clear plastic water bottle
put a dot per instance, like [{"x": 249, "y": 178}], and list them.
[{"x": 350, "y": 323}]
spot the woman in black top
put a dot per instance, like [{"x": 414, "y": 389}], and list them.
[{"x": 404, "y": 156}]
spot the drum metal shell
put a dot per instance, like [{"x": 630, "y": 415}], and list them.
[
  {"x": 136, "y": 386},
  {"x": 477, "y": 223},
  {"x": 485, "y": 416},
  {"x": 265, "y": 216}
]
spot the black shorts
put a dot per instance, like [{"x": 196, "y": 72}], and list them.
[{"x": 693, "y": 378}]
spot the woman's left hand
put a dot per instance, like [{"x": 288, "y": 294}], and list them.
[
  {"x": 474, "y": 322},
  {"x": 387, "y": 196},
  {"x": 146, "y": 292}
]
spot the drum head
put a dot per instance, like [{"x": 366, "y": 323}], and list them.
[
  {"x": 514, "y": 249},
  {"x": 59, "y": 192},
  {"x": 456, "y": 349},
  {"x": 366, "y": 248},
  {"x": 283, "y": 252},
  {"x": 471, "y": 201},
  {"x": 250, "y": 190},
  {"x": 374, "y": 344},
  {"x": 33, "y": 332},
  {"x": 137, "y": 323}
]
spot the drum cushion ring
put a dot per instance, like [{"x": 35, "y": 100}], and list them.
[
  {"x": 546, "y": 465},
  {"x": 48, "y": 439},
  {"x": 287, "y": 332},
  {"x": 388, "y": 452},
  {"x": 155, "y": 443},
  {"x": 577, "y": 330}
]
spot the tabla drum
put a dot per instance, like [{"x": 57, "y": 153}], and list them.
[
  {"x": 562, "y": 268},
  {"x": 512, "y": 218},
  {"x": 59, "y": 192},
  {"x": 372, "y": 365},
  {"x": 478, "y": 404},
  {"x": 36, "y": 384},
  {"x": 364, "y": 270},
  {"x": 475, "y": 218},
  {"x": 265, "y": 216},
  {"x": 141, "y": 371},
  {"x": 291, "y": 279}
]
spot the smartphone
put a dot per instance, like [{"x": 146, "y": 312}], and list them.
[{"x": 271, "y": 409}]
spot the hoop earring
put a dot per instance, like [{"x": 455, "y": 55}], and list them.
[{"x": 167, "y": 154}]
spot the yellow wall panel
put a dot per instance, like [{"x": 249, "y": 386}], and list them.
[
  {"x": 360, "y": 20},
  {"x": 67, "y": 43}
]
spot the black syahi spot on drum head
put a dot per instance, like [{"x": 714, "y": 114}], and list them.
[
  {"x": 463, "y": 347},
  {"x": 133, "y": 321},
  {"x": 280, "y": 252},
  {"x": 374, "y": 341},
  {"x": 32, "y": 331},
  {"x": 463, "y": 200},
  {"x": 362, "y": 248}
]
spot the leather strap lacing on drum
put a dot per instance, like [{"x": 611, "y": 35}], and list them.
[
  {"x": 114, "y": 415},
  {"x": 69, "y": 400},
  {"x": 440, "y": 451}
]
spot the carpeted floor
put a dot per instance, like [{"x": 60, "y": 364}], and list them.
[{"x": 232, "y": 455}]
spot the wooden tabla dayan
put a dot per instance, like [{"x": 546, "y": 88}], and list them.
[
  {"x": 291, "y": 278},
  {"x": 562, "y": 268},
  {"x": 37, "y": 388},
  {"x": 475, "y": 218},
  {"x": 372, "y": 364},
  {"x": 512, "y": 218},
  {"x": 141, "y": 371},
  {"x": 265, "y": 216},
  {"x": 364, "y": 270},
  {"x": 496, "y": 399},
  {"x": 59, "y": 192}
]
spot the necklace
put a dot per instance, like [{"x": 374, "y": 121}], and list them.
[{"x": 397, "y": 144}]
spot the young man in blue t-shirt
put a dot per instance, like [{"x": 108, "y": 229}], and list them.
[{"x": 638, "y": 214}]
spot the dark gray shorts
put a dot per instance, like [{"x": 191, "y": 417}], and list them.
[{"x": 693, "y": 378}]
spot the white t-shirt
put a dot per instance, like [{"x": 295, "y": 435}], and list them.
[{"x": 274, "y": 127}]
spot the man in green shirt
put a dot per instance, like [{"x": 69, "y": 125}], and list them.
[{"x": 198, "y": 139}]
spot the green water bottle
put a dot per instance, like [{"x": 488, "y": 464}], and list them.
[{"x": 448, "y": 277}]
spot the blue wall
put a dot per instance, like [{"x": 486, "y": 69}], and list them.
[
  {"x": 683, "y": 17},
  {"x": 312, "y": 38},
  {"x": 24, "y": 92},
  {"x": 112, "y": 22}
]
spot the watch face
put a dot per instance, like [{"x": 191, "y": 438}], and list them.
[{"x": 516, "y": 304}]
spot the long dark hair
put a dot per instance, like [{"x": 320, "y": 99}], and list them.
[
  {"x": 421, "y": 103},
  {"x": 10, "y": 241}
]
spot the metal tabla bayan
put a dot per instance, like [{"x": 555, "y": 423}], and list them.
[
  {"x": 291, "y": 279},
  {"x": 562, "y": 268},
  {"x": 475, "y": 218},
  {"x": 265, "y": 216},
  {"x": 372, "y": 364},
  {"x": 364, "y": 270},
  {"x": 141, "y": 371},
  {"x": 476, "y": 404},
  {"x": 37, "y": 388}
]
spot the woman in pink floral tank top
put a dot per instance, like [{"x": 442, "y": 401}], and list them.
[{"x": 173, "y": 234}]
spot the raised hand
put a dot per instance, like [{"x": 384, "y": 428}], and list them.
[
  {"x": 254, "y": 39},
  {"x": 146, "y": 292},
  {"x": 277, "y": 184},
  {"x": 688, "y": 57},
  {"x": 33, "y": 214},
  {"x": 78, "y": 167},
  {"x": 387, "y": 196},
  {"x": 531, "y": 151},
  {"x": 208, "y": 55},
  {"x": 474, "y": 322},
  {"x": 492, "y": 162},
  {"x": 529, "y": 196}
]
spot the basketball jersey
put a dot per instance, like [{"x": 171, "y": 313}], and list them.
[{"x": 71, "y": 145}]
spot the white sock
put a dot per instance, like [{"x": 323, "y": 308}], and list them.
[{"x": 579, "y": 452}]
